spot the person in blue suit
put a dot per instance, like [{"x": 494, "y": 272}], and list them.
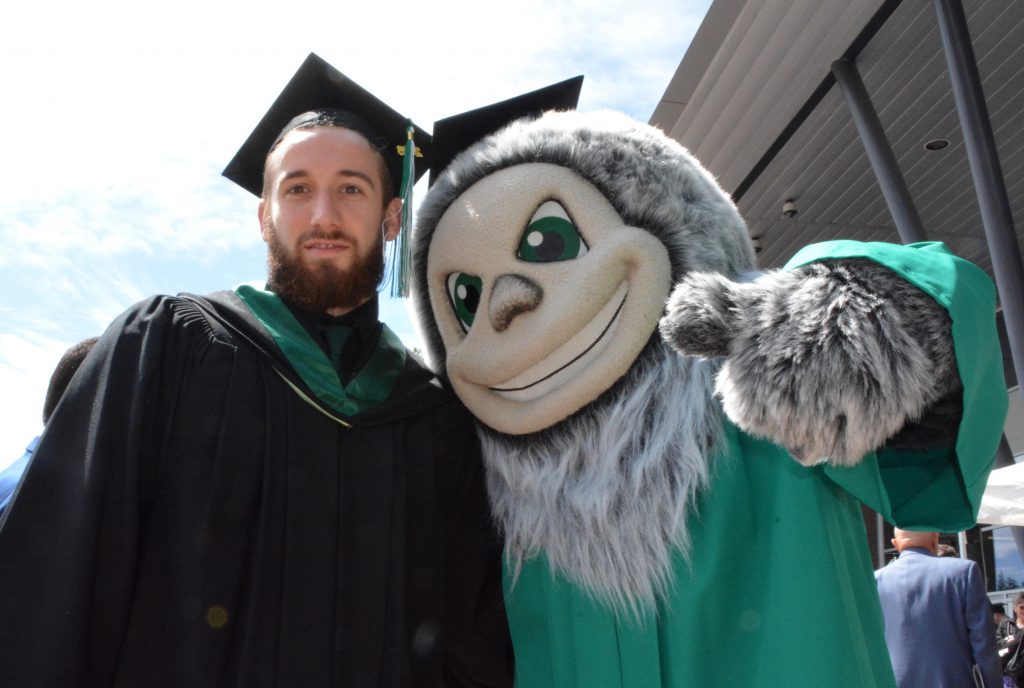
[
  {"x": 938, "y": 622},
  {"x": 62, "y": 374},
  {"x": 11, "y": 475}
]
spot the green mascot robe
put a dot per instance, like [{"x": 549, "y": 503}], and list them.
[{"x": 778, "y": 591}]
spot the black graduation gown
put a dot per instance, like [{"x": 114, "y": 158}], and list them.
[{"x": 190, "y": 521}]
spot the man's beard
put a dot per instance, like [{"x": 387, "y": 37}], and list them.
[{"x": 322, "y": 286}]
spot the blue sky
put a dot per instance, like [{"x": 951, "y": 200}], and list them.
[{"x": 119, "y": 117}]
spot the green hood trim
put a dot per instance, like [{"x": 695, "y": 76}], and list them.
[{"x": 371, "y": 386}]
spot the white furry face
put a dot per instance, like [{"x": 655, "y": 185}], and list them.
[{"x": 543, "y": 296}]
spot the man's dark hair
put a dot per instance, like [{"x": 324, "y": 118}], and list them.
[
  {"x": 345, "y": 120},
  {"x": 63, "y": 373}
]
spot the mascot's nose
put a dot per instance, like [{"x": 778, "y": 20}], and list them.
[{"x": 511, "y": 296}]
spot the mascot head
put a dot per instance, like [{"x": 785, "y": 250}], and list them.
[
  {"x": 543, "y": 258},
  {"x": 545, "y": 254}
]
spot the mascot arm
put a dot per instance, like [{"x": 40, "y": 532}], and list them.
[
  {"x": 839, "y": 357},
  {"x": 829, "y": 360}
]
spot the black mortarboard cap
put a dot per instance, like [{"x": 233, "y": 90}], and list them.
[
  {"x": 319, "y": 86},
  {"x": 454, "y": 134}
]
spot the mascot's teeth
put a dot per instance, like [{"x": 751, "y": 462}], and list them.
[{"x": 569, "y": 358}]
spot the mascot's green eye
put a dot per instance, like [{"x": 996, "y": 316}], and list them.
[
  {"x": 551, "y": 236},
  {"x": 464, "y": 291}
]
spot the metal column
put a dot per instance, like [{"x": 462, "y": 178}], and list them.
[
  {"x": 883, "y": 161},
  {"x": 990, "y": 187},
  {"x": 986, "y": 171}
]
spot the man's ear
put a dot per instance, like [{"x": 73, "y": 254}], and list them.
[
  {"x": 260, "y": 209},
  {"x": 393, "y": 219}
]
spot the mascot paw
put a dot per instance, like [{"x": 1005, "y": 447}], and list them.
[
  {"x": 699, "y": 316},
  {"x": 831, "y": 360}
]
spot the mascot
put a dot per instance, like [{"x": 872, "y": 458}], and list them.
[{"x": 677, "y": 447}]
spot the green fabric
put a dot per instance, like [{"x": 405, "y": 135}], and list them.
[
  {"x": 779, "y": 591},
  {"x": 337, "y": 336},
  {"x": 371, "y": 385},
  {"x": 906, "y": 488}
]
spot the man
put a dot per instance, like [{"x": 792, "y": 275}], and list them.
[
  {"x": 59, "y": 380},
  {"x": 938, "y": 622},
  {"x": 262, "y": 487}
]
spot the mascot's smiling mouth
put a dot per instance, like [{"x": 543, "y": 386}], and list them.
[{"x": 568, "y": 359}]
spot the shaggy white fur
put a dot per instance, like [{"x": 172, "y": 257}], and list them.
[
  {"x": 605, "y": 495},
  {"x": 830, "y": 360}
]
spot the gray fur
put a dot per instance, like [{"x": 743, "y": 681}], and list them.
[
  {"x": 830, "y": 360},
  {"x": 605, "y": 495}
]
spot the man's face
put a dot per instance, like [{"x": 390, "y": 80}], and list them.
[{"x": 322, "y": 216}]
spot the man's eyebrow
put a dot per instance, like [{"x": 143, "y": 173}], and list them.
[
  {"x": 357, "y": 173},
  {"x": 341, "y": 173}
]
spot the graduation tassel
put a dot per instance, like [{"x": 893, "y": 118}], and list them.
[{"x": 401, "y": 255}]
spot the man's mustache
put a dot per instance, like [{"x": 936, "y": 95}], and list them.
[{"x": 320, "y": 235}]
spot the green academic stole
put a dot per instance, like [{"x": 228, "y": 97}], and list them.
[{"x": 371, "y": 385}]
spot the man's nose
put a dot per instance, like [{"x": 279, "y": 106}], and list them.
[
  {"x": 325, "y": 212},
  {"x": 511, "y": 296}
]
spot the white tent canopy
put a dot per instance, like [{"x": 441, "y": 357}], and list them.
[{"x": 1003, "y": 501}]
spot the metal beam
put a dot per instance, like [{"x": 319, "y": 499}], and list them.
[
  {"x": 883, "y": 161},
  {"x": 989, "y": 183}
]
